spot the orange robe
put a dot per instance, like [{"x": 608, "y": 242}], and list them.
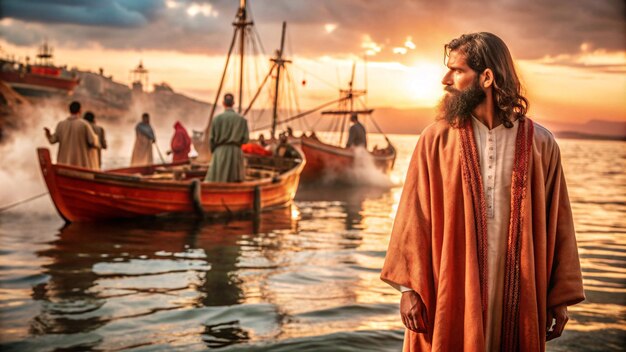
[{"x": 435, "y": 246}]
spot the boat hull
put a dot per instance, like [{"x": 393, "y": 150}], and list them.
[
  {"x": 324, "y": 159},
  {"x": 29, "y": 84},
  {"x": 85, "y": 195}
]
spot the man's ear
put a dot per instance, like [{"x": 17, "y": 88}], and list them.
[{"x": 487, "y": 78}]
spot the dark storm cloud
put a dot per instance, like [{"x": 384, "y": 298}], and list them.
[
  {"x": 533, "y": 29},
  {"x": 114, "y": 13}
]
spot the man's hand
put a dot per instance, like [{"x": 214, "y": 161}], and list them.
[
  {"x": 559, "y": 314},
  {"x": 413, "y": 312},
  {"x": 47, "y": 130}
]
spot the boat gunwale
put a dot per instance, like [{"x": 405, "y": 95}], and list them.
[
  {"x": 343, "y": 152},
  {"x": 113, "y": 176}
]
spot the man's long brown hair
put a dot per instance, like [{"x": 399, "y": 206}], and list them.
[{"x": 486, "y": 50}]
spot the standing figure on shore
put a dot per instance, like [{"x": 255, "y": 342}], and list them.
[
  {"x": 76, "y": 140},
  {"x": 142, "y": 151},
  {"x": 483, "y": 247},
  {"x": 356, "y": 136},
  {"x": 229, "y": 131},
  {"x": 180, "y": 144},
  {"x": 99, "y": 131}
]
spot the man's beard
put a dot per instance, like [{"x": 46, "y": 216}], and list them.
[{"x": 457, "y": 106}]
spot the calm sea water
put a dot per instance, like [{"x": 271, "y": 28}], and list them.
[{"x": 300, "y": 279}]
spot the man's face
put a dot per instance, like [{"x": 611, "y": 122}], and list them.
[
  {"x": 459, "y": 75},
  {"x": 462, "y": 86}
]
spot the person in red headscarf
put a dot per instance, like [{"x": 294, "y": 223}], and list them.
[{"x": 181, "y": 143}]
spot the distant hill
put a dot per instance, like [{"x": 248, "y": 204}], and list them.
[
  {"x": 580, "y": 135},
  {"x": 596, "y": 128},
  {"x": 111, "y": 100}
]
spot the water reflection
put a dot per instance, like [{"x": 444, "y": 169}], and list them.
[
  {"x": 350, "y": 201},
  {"x": 109, "y": 274}
]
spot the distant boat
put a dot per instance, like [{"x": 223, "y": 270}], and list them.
[
  {"x": 82, "y": 195},
  {"x": 40, "y": 79},
  {"x": 334, "y": 159}
]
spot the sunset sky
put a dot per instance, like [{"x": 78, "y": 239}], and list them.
[{"x": 571, "y": 54}]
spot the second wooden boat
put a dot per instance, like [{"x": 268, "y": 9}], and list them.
[{"x": 326, "y": 159}]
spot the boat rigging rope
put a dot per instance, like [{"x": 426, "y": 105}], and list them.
[
  {"x": 332, "y": 85},
  {"x": 302, "y": 114},
  {"x": 374, "y": 121},
  {"x": 294, "y": 94},
  {"x": 7, "y": 207},
  {"x": 255, "y": 32}
]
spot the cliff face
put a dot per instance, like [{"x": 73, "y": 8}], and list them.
[
  {"x": 169, "y": 107},
  {"x": 12, "y": 107},
  {"x": 110, "y": 100}
]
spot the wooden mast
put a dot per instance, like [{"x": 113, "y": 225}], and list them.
[
  {"x": 241, "y": 23},
  {"x": 280, "y": 63},
  {"x": 349, "y": 94}
]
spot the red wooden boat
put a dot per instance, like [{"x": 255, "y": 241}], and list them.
[
  {"x": 85, "y": 195},
  {"x": 326, "y": 159},
  {"x": 39, "y": 79}
]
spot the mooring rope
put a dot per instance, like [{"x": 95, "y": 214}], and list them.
[{"x": 22, "y": 202}]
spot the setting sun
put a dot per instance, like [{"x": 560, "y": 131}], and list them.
[{"x": 424, "y": 83}]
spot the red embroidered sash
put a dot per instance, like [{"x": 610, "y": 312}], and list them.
[{"x": 471, "y": 173}]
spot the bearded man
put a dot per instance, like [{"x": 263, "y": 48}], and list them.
[{"x": 483, "y": 246}]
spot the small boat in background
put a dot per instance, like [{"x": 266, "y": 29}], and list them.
[
  {"x": 333, "y": 159},
  {"x": 40, "y": 79},
  {"x": 81, "y": 195}
]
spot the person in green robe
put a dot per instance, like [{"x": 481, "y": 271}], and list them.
[{"x": 229, "y": 131}]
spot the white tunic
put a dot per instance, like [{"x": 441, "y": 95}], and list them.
[{"x": 496, "y": 151}]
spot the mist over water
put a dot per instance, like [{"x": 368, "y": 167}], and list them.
[
  {"x": 20, "y": 176},
  {"x": 363, "y": 173}
]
